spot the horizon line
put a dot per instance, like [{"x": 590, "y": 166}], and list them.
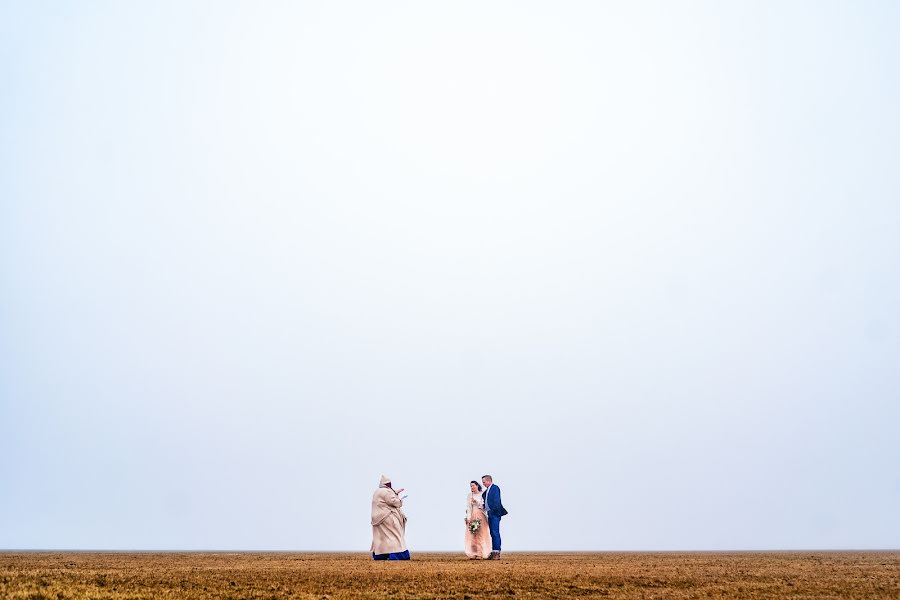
[{"x": 525, "y": 551}]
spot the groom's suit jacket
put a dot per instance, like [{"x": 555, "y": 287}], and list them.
[{"x": 492, "y": 502}]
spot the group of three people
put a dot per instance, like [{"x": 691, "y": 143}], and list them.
[{"x": 484, "y": 510}]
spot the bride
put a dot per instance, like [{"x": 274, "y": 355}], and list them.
[{"x": 478, "y": 537}]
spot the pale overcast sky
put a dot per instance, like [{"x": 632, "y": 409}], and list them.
[{"x": 638, "y": 260}]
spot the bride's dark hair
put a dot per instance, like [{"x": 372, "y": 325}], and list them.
[{"x": 476, "y": 483}]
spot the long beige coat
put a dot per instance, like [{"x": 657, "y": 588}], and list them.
[{"x": 388, "y": 522}]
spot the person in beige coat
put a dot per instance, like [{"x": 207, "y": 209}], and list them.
[{"x": 388, "y": 523}]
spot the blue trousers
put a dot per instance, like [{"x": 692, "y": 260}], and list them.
[
  {"x": 494, "y": 526},
  {"x": 392, "y": 556}
]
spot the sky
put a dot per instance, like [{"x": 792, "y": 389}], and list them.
[{"x": 639, "y": 261}]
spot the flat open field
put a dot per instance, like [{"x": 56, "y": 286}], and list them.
[{"x": 58, "y": 575}]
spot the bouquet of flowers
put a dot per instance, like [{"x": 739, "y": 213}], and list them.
[{"x": 474, "y": 525}]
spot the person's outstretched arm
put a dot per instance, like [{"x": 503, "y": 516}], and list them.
[{"x": 393, "y": 500}]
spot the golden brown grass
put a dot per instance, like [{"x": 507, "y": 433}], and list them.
[{"x": 58, "y": 575}]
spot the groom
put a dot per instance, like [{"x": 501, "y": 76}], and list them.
[{"x": 495, "y": 511}]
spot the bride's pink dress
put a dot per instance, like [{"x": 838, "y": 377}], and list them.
[{"x": 478, "y": 544}]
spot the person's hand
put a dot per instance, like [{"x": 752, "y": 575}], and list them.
[{"x": 400, "y": 491}]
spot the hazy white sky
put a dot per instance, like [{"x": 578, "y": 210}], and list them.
[{"x": 638, "y": 260}]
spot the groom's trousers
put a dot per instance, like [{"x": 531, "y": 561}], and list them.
[{"x": 494, "y": 526}]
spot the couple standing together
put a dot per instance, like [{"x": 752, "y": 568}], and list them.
[{"x": 483, "y": 508}]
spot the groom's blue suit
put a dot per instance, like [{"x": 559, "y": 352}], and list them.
[{"x": 495, "y": 511}]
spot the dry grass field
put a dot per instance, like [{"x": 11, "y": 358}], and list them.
[{"x": 58, "y": 575}]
